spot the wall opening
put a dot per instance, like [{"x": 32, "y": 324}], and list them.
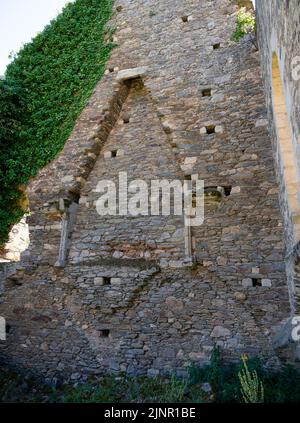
[
  {"x": 206, "y": 92},
  {"x": 227, "y": 190},
  {"x": 256, "y": 282},
  {"x": 210, "y": 129},
  {"x": 185, "y": 18},
  {"x": 104, "y": 333},
  {"x": 221, "y": 191},
  {"x": 106, "y": 281},
  {"x": 216, "y": 46}
]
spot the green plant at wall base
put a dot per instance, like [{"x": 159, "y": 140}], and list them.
[
  {"x": 251, "y": 387},
  {"x": 176, "y": 389},
  {"x": 245, "y": 24},
  {"x": 45, "y": 89}
]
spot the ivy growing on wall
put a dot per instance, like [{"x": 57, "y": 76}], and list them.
[
  {"x": 14, "y": 149},
  {"x": 45, "y": 89}
]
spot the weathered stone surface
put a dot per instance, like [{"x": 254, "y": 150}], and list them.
[
  {"x": 160, "y": 312},
  {"x": 220, "y": 332},
  {"x": 240, "y": 296},
  {"x": 247, "y": 283}
]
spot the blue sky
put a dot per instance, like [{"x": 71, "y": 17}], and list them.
[{"x": 21, "y": 20}]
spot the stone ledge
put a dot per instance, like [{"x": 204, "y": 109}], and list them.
[
  {"x": 135, "y": 263},
  {"x": 132, "y": 73}
]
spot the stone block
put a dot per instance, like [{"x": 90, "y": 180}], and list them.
[
  {"x": 247, "y": 283},
  {"x": 261, "y": 122},
  {"x": 190, "y": 160},
  {"x": 132, "y": 73},
  {"x": 120, "y": 153},
  {"x": 107, "y": 154},
  {"x": 235, "y": 190},
  {"x": 98, "y": 281},
  {"x": 266, "y": 283},
  {"x": 240, "y": 296},
  {"x": 219, "y": 129},
  {"x": 220, "y": 332},
  {"x": 115, "y": 281}
]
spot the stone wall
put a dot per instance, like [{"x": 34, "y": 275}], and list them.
[
  {"x": 98, "y": 294},
  {"x": 278, "y": 36}
]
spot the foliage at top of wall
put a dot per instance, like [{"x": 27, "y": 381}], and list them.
[
  {"x": 45, "y": 89},
  {"x": 245, "y": 24}
]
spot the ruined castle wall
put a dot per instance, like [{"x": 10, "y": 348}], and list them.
[{"x": 125, "y": 299}]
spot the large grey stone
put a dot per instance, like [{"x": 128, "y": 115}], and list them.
[{"x": 132, "y": 73}]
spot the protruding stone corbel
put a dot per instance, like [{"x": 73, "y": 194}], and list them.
[{"x": 133, "y": 73}]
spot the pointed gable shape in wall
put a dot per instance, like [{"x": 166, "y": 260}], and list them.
[{"x": 146, "y": 154}]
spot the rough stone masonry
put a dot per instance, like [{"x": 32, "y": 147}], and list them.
[{"x": 95, "y": 294}]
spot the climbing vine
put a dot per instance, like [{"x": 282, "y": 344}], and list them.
[{"x": 45, "y": 89}]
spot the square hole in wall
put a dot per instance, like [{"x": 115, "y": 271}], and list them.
[
  {"x": 216, "y": 46},
  {"x": 185, "y": 18},
  {"x": 104, "y": 333},
  {"x": 210, "y": 129},
  {"x": 227, "y": 190},
  {"x": 213, "y": 194},
  {"x": 187, "y": 177},
  {"x": 206, "y": 92},
  {"x": 111, "y": 69},
  {"x": 106, "y": 281},
  {"x": 256, "y": 282},
  {"x": 114, "y": 153}
]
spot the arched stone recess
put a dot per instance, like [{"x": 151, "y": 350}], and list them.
[
  {"x": 287, "y": 150},
  {"x": 289, "y": 172}
]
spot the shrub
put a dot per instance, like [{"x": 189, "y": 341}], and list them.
[
  {"x": 279, "y": 387},
  {"x": 45, "y": 89},
  {"x": 14, "y": 158},
  {"x": 245, "y": 24},
  {"x": 251, "y": 387}
]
